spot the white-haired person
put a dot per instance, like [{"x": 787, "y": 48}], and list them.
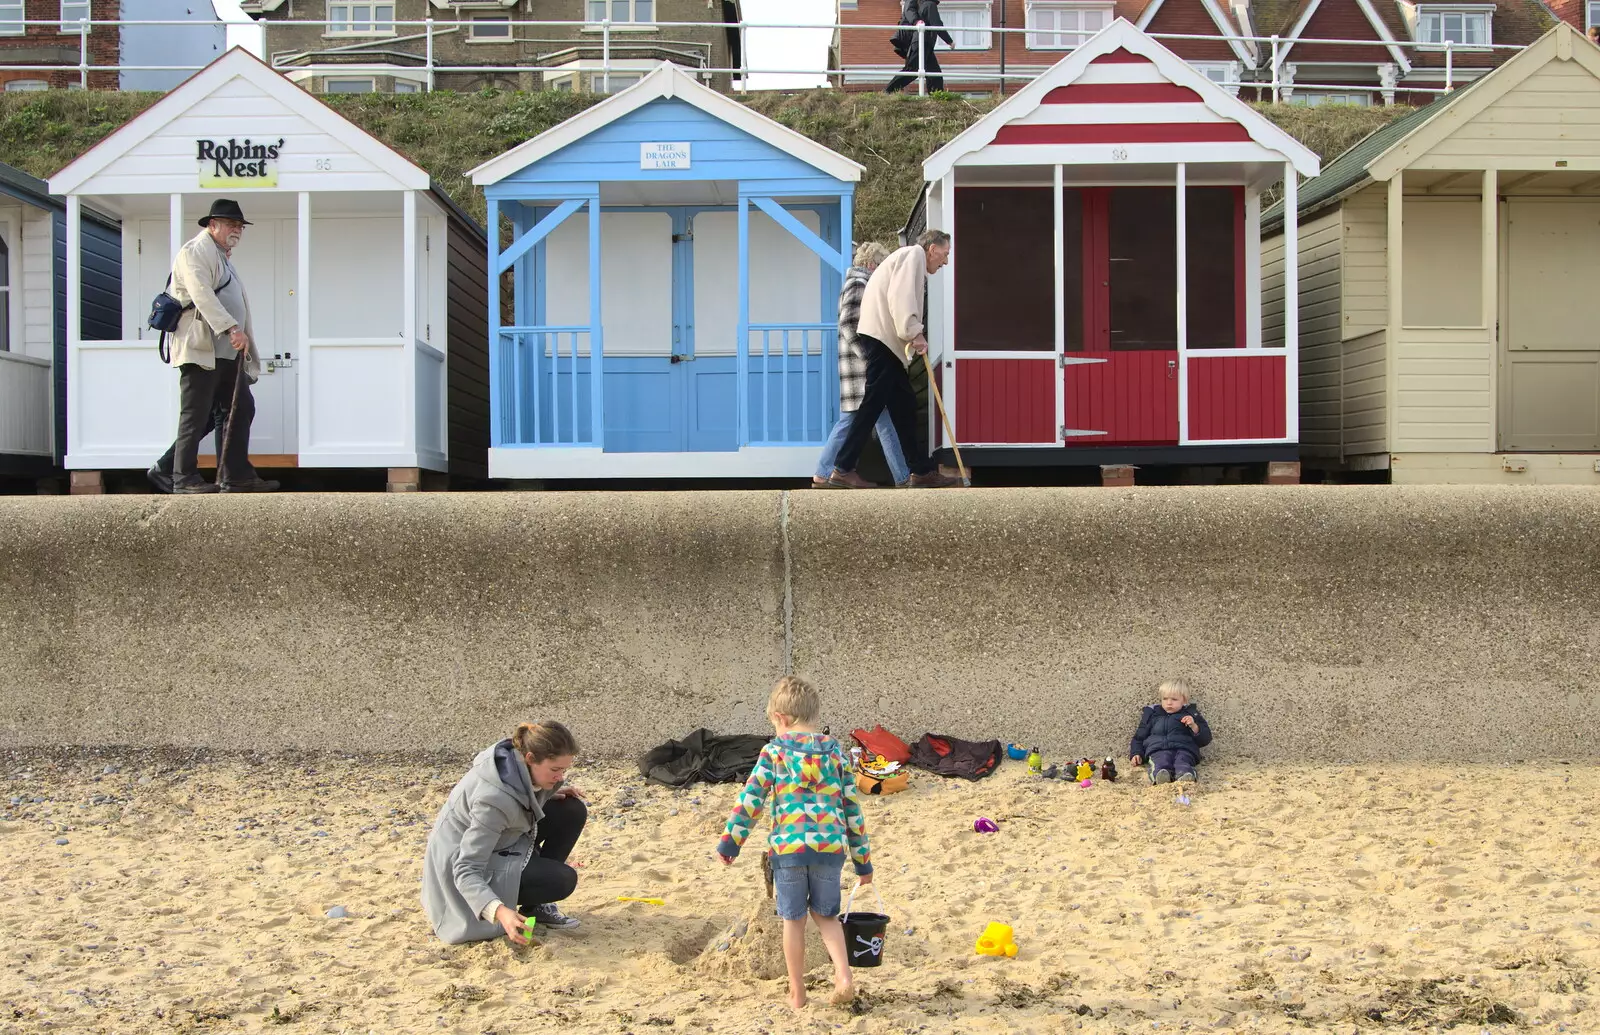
[{"x": 853, "y": 375}]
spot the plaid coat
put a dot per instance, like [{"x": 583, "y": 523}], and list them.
[{"x": 852, "y": 365}]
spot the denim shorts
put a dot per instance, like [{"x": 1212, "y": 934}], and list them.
[{"x": 813, "y": 887}]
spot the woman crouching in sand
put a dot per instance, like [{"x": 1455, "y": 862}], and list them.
[{"x": 503, "y": 837}]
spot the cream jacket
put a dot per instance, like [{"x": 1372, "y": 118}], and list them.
[
  {"x": 891, "y": 308},
  {"x": 196, "y": 274}
]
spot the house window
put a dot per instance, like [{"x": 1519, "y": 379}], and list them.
[
  {"x": 368, "y": 19},
  {"x": 564, "y": 84},
  {"x": 11, "y": 18},
  {"x": 1313, "y": 98},
  {"x": 618, "y": 82},
  {"x": 348, "y": 86},
  {"x": 1064, "y": 26},
  {"x": 1223, "y": 73},
  {"x": 968, "y": 24},
  {"x": 1463, "y": 27},
  {"x": 406, "y": 86},
  {"x": 26, "y": 85},
  {"x": 73, "y": 11},
  {"x": 491, "y": 29},
  {"x": 1594, "y": 14},
  {"x": 630, "y": 11}
]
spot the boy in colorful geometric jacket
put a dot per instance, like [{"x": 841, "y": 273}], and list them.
[
  {"x": 1170, "y": 735},
  {"x": 816, "y": 819}
]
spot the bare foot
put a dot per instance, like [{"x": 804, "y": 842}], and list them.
[
  {"x": 842, "y": 993},
  {"x": 797, "y": 999}
]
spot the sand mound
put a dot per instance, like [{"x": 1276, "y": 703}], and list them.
[{"x": 752, "y": 946}]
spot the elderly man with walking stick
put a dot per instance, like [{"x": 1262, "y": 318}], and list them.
[
  {"x": 216, "y": 361},
  {"x": 891, "y": 330}
]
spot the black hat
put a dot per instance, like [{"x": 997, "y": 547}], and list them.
[{"x": 224, "y": 208}]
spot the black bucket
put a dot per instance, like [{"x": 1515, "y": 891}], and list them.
[{"x": 864, "y": 933}]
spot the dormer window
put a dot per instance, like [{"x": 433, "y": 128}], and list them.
[{"x": 1469, "y": 25}]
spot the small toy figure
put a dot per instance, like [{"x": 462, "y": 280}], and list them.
[
  {"x": 996, "y": 940},
  {"x": 855, "y": 758},
  {"x": 1108, "y": 770},
  {"x": 985, "y": 825},
  {"x": 1085, "y": 769},
  {"x": 1035, "y": 761}
]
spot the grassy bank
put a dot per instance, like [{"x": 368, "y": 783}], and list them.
[{"x": 449, "y": 133}]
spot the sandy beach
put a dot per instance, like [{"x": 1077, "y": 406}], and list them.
[{"x": 151, "y": 893}]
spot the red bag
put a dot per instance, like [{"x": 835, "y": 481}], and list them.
[{"x": 879, "y": 741}]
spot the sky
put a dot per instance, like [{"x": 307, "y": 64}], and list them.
[{"x": 769, "y": 48}]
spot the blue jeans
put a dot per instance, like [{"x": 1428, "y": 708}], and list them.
[
  {"x": 887, "y": 438},
  {"x": 813, "y": 886}
]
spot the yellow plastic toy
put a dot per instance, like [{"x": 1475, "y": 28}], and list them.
[
  {"x": 996, "y": 940},
  {"x": 646, "y": 901}
]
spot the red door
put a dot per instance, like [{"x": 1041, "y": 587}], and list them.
[{"x": 1122, "y": 362}]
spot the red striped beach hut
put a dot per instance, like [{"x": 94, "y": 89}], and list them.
[{"x": 1104, "y": 297}]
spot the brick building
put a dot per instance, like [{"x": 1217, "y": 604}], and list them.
[
  {"x": 494, "y": 34},
  {"x": 1400, "y": 44},
  {"x": 58, "y": 43}
]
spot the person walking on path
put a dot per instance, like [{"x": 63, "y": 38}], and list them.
[
  {"x": 853, "y": 375},
  {"x": 914, "y": 13},
  {"x": 212, "y": 339},
  {"x": 891, "y": 330}
]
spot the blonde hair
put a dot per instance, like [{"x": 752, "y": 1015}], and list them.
[
  {"x": 544, "y": 740},
  {"x": 795, "y": 698},
  {"x": 870, "y": 254},
  {"x": 1177, "y": 686}
]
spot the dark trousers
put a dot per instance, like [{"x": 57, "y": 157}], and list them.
[
  {"x": 1175, "y": 761},
  {"x": 205, "y": 398},
  {"x": 547, "y": 877},
  {"x": 888, "y": 387},
  {"x": 908, "y": 74}
]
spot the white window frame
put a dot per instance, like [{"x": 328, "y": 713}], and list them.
[
  {"x": 26, "y": 85},
  {"x": 1437, "y": 13},
  {"x": 1314, "y": 98},
  {"x": 328, "y": 81},
  {"x": 633, "y": 20},
  {"x": 72, "y": 11},
  {"x": 375, "y": 26},
  {"x": 12, "y": 15},
  {"x": 969, "y": 38},
  {"x": 1036, "y": 37},
  {"x": 498, "y": 20},
  {"x": 1229, "y": 70}
]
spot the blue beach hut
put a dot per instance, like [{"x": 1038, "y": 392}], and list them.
[{"x": 675, "y": 261}]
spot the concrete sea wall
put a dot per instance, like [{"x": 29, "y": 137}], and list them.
[{"x": 1318, "y": 623}]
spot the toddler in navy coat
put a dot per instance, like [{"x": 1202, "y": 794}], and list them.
[{"x": 1170, "y": 735}]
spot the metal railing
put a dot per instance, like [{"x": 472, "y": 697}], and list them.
[{"x": 1267, "y": 77}]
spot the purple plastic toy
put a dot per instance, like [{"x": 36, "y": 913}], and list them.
[{"x": 985, "y": 825}]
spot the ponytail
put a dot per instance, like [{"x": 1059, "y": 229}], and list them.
[{"x": 544, "y": 740}]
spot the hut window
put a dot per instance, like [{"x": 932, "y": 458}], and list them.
[
  {"x": 1064, "y": 26},
  {"x": 1467, "y": 27},
  {"x": 1143, "y": 242},
  {"x": 72, "y": 13},
  {"x": 1005, "y": 268},
  {"x": 368, "y": 19},
  {"x": 491, "y": 29},
  {"x": 631, "y": 11},
  {"x": 968, "y": 24},
  {"x": 11, "y": 18},
  {"x": 1214, "y": 241},
  {"x": 5, "y": 296}
]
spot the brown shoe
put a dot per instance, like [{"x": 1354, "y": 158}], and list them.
[
  {"x": 822, "y": 483},
  {"x": 934, "y": 480},
  {"x": 257, "y": 484},
  {"x": 850, "y": 480}
]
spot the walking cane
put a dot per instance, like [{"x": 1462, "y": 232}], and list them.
[
  {"x": 233, "y": 409},
  {"x": 949, "y": 432}
]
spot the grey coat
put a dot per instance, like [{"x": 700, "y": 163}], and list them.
[{"x": 481, "y": 840}]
